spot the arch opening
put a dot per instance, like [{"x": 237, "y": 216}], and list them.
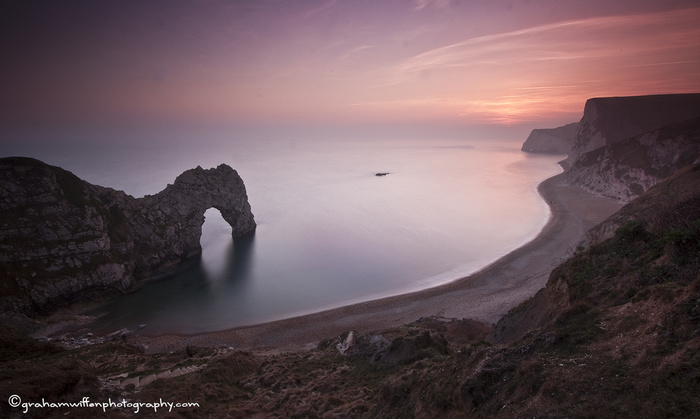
[
  {"x": 216, "y": 242},
  {"x": 214, "y": 227}
]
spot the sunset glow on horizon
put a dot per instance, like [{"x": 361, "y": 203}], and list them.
[{"x": 346, "y": 62}]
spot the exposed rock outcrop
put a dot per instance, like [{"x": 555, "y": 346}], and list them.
[
  {"x": 551, "y": 140},
  {"x": 643, "y": 149},
  {"x": 680, "y": 190},
  {"x": 63, "y": 240},
  {"x": 607, "y": 121},
  {"x": 625, "y": 169},
  {"x": 172, "y": 219},
  {"x": 624, "y": 145}
]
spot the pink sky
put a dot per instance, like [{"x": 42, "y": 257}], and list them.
[{"x": 350, "y": 62}]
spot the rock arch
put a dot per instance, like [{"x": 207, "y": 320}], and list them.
[
  {"x": 63, "y": 239},
  {"x": 179, "y": 209}
]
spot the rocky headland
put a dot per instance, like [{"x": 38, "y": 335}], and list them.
[
  {"x": 551, "y": 140},
  {"x": 625, "y": 169},
  {"x": 622, "y": 146},
  {"x": 609, "y": 120},
  {"x": 65, "y": 241}
]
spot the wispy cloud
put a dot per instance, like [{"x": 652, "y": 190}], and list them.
[
  {"x": 354, "y": 51},
  {"x": 318, "y": 9},
  {"x": 596, "y": 38},
  {"x": 553, "y": 68},
  {"x": 310, "y": 59},
  {"x": 665, "y": 63},
  {"x": 422, "y": 4}
]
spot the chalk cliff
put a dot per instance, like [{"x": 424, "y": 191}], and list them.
[
  {"x": 607, "y": 121},
  {"x": 639, "y": 150},
  {"x": 624, "y": 145},
  {"x": 63, "y": 240},
  {"x": 625, "y": 169},
  {"x": 551, "y": 140}
]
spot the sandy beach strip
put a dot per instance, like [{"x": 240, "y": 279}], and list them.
[{"x": 485, "y": 295}]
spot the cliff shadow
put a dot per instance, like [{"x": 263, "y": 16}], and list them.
[{"x": 241, "y": 258}]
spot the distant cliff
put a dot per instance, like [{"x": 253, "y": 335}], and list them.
[
  {"x": 63, "y": 239},
  {"x": 551, "y": 140},
  {"x": 624, "y": 145},
  {"x": 642, "y": 150},
  {"x": 607, "y": 121}
]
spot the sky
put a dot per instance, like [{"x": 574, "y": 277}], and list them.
[{"x": 333, "y": 62}]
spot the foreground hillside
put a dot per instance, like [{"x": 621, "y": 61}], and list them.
[{"x": 616, "y": 332}]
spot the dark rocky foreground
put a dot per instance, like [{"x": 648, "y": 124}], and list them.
[{"x": 64, "y": 240}]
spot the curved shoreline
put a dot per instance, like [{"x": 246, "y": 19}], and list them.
[{"x": 486, "y": 295}]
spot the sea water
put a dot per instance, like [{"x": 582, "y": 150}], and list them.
[{"x": 330, "y": 232}]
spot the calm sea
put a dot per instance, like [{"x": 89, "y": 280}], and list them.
[{"x": 330, "y": 232}]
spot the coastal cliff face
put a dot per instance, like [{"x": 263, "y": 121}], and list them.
[
  {"x": 551, "y": 140},
  {"x": 627, "y": 168},
  {"x": 672, "y": 195},
  {"x": 64, "y": 240},
  {"x": 626, "y": 148},
  {"x": 607, "y": 121}
]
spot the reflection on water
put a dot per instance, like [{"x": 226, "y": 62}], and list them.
[
  {"x": 189, "y": 298},
  {"x": 224, "y": 261},
  {"x": 329, "y": 232}
]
